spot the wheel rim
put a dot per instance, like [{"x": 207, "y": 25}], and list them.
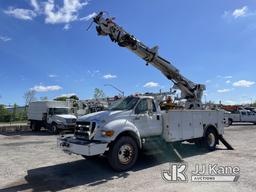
[
  {"x": 125, "y": 154},
  {"x": 211, "y": 139}
]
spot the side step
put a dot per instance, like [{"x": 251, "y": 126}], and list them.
[{"x": 229, "y": 147}]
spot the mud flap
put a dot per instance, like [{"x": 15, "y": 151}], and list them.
[{"x": 229, "y": 147}]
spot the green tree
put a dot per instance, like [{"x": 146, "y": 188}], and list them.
[
  {"x": 74, "y": 97},
  {"x": 14, "y": 112},
  {"x": 61, "y": 98},
  {"x": 5, "y": 116},
  {"x": 98, "y": 93}
]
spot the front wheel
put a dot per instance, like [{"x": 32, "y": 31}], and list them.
[
  {"x": 123, "y": 153},
  {"x": 54, "y": 129},
  {"x": 210, "y": 139}
]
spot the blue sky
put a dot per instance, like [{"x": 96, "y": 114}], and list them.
[{"x": 44, "y": 46}]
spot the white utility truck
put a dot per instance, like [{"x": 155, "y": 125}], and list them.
[
  {"x": 53, "y": 115},
  {"x": 241, "y": 116},
  {"x": 121, "y": 132}
]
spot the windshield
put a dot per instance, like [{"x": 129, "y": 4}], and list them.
[
  {"x": 58, "y": 111},
  {"x": 126, "y": 104}
]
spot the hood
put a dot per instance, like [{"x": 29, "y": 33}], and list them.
[
  {"x": 66, "y": 116},
  {"x": 103, "y": 115}
]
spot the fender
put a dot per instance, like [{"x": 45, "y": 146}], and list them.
[{"x": 119, "y": 126}]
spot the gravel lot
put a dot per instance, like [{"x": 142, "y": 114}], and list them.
[{"x": 31, "y": 162}]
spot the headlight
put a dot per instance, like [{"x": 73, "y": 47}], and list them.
[{"x": 109, "y": 133}]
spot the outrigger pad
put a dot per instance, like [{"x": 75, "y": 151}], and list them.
[{"x": 229, "y": 147}]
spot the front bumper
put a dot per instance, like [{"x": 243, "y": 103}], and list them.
[{"x": 72, "y": 145}]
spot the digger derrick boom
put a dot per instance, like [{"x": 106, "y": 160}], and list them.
[{"x": 190, "y": 91}]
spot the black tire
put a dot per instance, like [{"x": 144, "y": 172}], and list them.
[
  {"x": 230, "y": 122},
  {"x": 54, "y": 128},
  {"x": 210, "y": 139},
  {"x": 34, "y": 126},
  {"x": 123, "y": 154}
]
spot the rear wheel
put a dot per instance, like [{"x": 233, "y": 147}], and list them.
[
  {"x": 210, "y": 139},
  {"x": 35, "y": 126},
  {"x": 123, "y": 154},
  {"x": 230, "y": 121}
]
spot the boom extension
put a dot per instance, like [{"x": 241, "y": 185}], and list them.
[{"x": 190, "y": 91}]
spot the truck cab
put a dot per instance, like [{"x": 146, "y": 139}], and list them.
[{"x": 60, "y": 118}]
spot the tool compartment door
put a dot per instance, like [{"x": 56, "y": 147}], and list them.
[
  {"x": 183, "y": 125},
  {"x": 178, "y": 125}
]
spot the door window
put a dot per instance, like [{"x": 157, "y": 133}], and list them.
[{"x": 142, "y": 107}]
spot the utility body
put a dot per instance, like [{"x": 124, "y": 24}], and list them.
[
  {"x": 55, "y": 116},
  {"x": 122, "y": 131}
]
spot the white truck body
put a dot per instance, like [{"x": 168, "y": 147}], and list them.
[
  {"x": 189, "y": 124},
  {"x": 172, "y": 126},
  {"x": 241, "y": 116},
  {"x": 51, "y": 114}
]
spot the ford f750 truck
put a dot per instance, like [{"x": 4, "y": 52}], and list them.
[{"x": 121, "y": 132}]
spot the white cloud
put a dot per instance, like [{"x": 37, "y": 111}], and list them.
[
  {"x": 208, "y": 81},
  {"x": 65, "y": 14},
  {"x": 66, "y": 27},
  {"x": 5, "y": 39},
  {"x": 243, "y": 83},
  {"x": 225, "y": 77},
  {"x": 35, "y": 5},
  {"x": 240, "y": 12},
  {"x": 41, "y": 88},
  {"x": 24, "y": 14},
  {"x": 228, "y": 81},
  {"x": 223, "y": 90},
  {"x": 109, "y": 76},
  {"x": 151, "y": 84},
  {"x": 68, "y": 95},
  {"x": 52, "y": 75},
  {"x": 88, "y": 17}
]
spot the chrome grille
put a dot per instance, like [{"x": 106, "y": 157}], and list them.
[{"x": 84, "y": 130}]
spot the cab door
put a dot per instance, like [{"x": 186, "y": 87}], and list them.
[
  {"x": 146, "y": 119},
  {"x": 154, "y": 119}
]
